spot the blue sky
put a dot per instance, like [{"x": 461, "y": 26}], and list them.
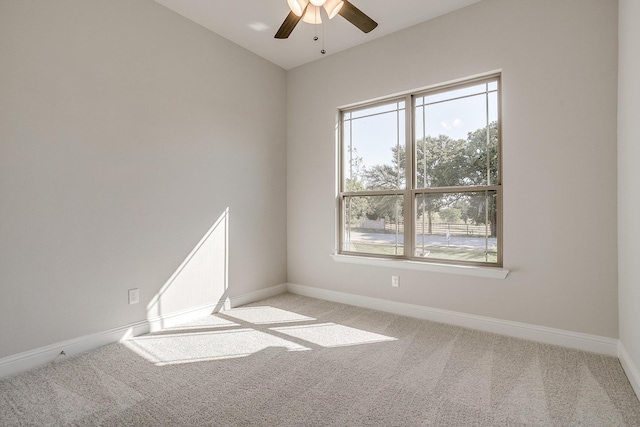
[{"x": 375, "y": 130}]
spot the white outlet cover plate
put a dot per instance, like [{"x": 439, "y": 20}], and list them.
[{"x": 134, "y": 296}]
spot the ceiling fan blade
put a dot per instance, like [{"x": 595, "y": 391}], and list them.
[
  {"x": 357, "y": 17},
  {"x": 288, "y": 25}
]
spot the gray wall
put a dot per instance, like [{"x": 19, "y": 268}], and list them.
[
  {"x": 126, "y": 132},
  {"x": 628, "y": 178},
  {"x": 559, "y": 65}
]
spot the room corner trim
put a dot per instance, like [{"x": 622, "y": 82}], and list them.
[
  {"x": 175, "y": 318},
  {"x": 258, "y": 295},
  {"x": 630, "y": 368},
  {"x": 575, "y": 340}
]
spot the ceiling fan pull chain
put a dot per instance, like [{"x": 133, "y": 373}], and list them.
[
  {"x": 315, "y": 25},
  {"x": 323, "y": 51}
]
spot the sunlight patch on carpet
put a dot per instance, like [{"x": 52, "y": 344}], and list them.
[
  {"x": 204, "y": 346},
  {"x": 266, "y": 315},
  {"x": 333, "y": 335}
]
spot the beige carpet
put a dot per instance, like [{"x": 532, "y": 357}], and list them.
[{"x": 297, "y": 361}]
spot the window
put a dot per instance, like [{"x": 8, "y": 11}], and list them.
[{"x": 420, "y": 176}]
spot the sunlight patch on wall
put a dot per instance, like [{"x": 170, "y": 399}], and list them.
[{"x": 200, "y": 283}]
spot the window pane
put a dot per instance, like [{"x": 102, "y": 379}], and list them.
[
  {"x": 373, "y": 224},
  {"x": 455, "y": 170},
  {"x": 373, "y": 148},
  {"x": 453, "y": 93},
  {"x": 385, "y": 108},
  {"x": 457, "y": 226},
  {"x": 457, "y": 140}
]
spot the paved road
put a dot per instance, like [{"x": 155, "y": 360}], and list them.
[{"x": 460, "y": 241}]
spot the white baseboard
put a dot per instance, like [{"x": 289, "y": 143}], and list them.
[
  {"x": 176, "y": 318},
  {"x": 40, "y": 356},
  {"x": 258, "y": 295},
  {"x": 575, "y": 340},
  {"x": 31, "y": 359},
  {"x": 630, "y": 368}
]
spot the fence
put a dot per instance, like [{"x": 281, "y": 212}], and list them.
[{"x": 440, "y": 228}]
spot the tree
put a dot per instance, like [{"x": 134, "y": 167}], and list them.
[
  {"x": 482, "y": 155},
  {"x": 450, "y": 215},
  {"x": 479, "y": 171},
  {"x": 387, "y": 177},
  {"x": 441, "y": 162},
  {"x": 356, "y": 207}
]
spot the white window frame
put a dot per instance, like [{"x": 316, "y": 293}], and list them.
[{"x": 409, "y": 259}]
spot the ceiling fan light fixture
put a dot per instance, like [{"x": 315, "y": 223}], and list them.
[
  {"x": 333, "y": 7},
  {"x": 312, "y": 15},
  {"x": 297, "y": 6},
  {"x": 309, "y": 11}
]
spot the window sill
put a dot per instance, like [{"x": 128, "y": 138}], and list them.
[{"x": 463, "y": 270}]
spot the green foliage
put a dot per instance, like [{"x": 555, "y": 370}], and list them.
[
  {"x": 451, "y": 215},
  {"x": 355, "y": 207},
  {"x": 439, "y": 162}
]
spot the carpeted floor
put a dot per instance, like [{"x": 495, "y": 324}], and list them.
[{"x": 297, "y": 361}]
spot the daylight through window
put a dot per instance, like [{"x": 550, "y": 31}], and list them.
[{"x": 420, "y": 176}]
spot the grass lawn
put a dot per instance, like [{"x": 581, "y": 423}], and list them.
[{"x": 435, "y": 252}]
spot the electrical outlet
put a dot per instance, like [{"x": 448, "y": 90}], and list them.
[
  {"x": 134, "y": 296},
  {"x": 395, "y": 282}
]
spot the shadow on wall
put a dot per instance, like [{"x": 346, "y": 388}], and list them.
[{"x": 199, "y": 286}]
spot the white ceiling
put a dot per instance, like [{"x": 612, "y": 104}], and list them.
[{"x": 253, "y": 23}]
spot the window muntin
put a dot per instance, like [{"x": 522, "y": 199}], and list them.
[
  {"x": 452, "y": 147},
  {"x": 373, "y": 143},
  {"x": 454, "y": 194},
  {"x": 373, "y": 224},
  {"x": 457, "y": 226}
]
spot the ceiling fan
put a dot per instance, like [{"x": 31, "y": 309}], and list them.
[{"x": 309, "y": 11}]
